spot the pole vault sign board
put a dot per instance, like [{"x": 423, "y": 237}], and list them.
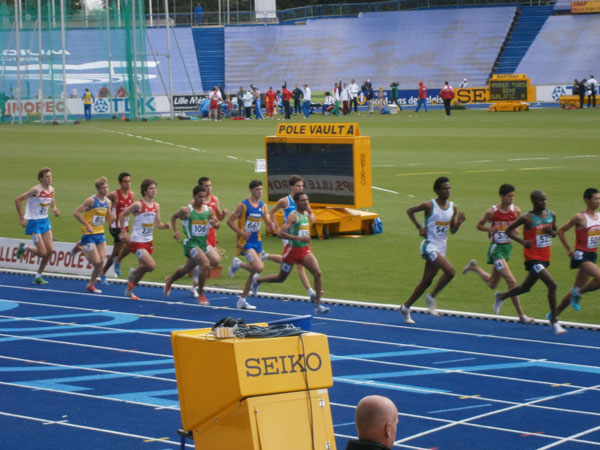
[{"x": 333, "y": 159}]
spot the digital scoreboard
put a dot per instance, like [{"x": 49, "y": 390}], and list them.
[
  {"x": 333, "y": 159},
  {"x": 510, "y": 87}
]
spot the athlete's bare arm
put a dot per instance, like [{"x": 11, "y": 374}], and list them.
[
  {"x": 87, "y": 205},
  {"x": 35, "y": 190},
  {"x": 236, "y": 214},
  {"x": 220, "y": 213},
  {"x": 291, "y": 220},
  {"x": 425, "y": 206},
  {"x": 53, "y": 207},
  {"x": 482, "y": 225},
  {"x": 134, "y": 209},
  {"x": 214, "y": 220},
  {"x": 282, "y": 203},
  {"x": 574, "y": 221},
  {"x": 159, "y": 224},
  {"x": 510, "y": 231},
  {"x": 458, "y": 217},
  {"x": 182, "y": 213}
]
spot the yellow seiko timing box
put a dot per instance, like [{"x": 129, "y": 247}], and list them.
[
  {"x": 334, "y": 160},
  {"x": 214, "y": 375}
]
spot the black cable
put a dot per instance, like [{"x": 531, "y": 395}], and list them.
[{"x": 279, "y": 330}]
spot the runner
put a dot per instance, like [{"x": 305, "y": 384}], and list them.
[
  {"x": 245, "y": 221},
  {"x": 495, "y": 221},
  {"x": 146, "y": 215},
  {"x": 287, "y": 204},
  {"x": 36, "y": 222},
  {"x": 583, "y": 257},
  {"x": 441, "y": 216},
  {"x": 92, "y": 214},
  {"x": 539, "y": 229},
  {"x": 120, "y": 199},
  {"x": 296, "y": 230},
  {"x": 220, "y": 214},
  {"x": 196, "y": 219}
]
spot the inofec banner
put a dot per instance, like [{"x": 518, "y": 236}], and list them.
[{"x": 61, "y": 260}]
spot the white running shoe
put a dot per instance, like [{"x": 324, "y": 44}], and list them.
[
  {"x": 557, "y": 328},
  {"x": 497, "y": 303},
  {"x": 406, "y": 314},
  {"x": 234, "y": 267},
  {"x": 431, "y": 305},
  {"x": 321, "y": 309},
  {"x": 255, "y": 284},
  {"x": 526, "y": 320},
  {"x": 243, "y": 304},
  {"x": 264, "y": 257},
  {"x": 312, "y": 294},
  {"x": 194, "y": 291},
  {"x": 469, "y": 266}
]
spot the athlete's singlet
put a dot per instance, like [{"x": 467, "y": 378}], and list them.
[
  {"x": 540, "y": 239},
  {"x": 300, "y": 228},
  {"x": 501, "y": 221},
  {"x": 587, "y": 239},
  {"x": 291, "y": 207},
  {"x": 119, "y": 206},
  {"x": 250, "y": 222},
  {"x": 196, "y": 228},
  {"x": 143, "y": 223},
  {"x": 437, "y": 225},
  {"x": 212, "y": 234},
  {"x": 37, "y": 207},
  {"x": 95, "y": 217}
]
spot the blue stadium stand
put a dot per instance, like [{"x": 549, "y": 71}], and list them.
[
  {"x": 210, "y": 51},
  {"x": 529, "y": 21}
]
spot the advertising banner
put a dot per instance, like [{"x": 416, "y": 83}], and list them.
[
  {"x": 61, "y": 260},
  {"x": 585, "y": 7},
  {"x": 187, "y": 102}
]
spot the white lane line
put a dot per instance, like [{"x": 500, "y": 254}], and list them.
[
  {"x": 385, "y": 190},
  {"x": 529, "y": 159}
]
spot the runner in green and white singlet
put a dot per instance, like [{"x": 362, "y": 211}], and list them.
[{"x": 196, "y": 219}]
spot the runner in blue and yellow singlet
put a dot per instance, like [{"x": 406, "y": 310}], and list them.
[
  {"x": 92, "y": 214},
  {"x": 246, "y": 221}
]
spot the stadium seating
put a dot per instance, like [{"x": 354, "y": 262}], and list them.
[
  {"x": 565, "y": 48},
  {"x": 209, "y": 42},
  {"x": 431, "y": 45},
  {"x": 528, "y": 24}
]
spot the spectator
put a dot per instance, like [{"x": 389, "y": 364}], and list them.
[
  {"x": 464, "y": 84},
  {"x": 345, "y": 96},
  {"x": 104, "y": 92},
  {"x": 270, "y": 100},
  {"x": 575, "y": 87},
  {"x": 394, "y": 96},
  {"x": 592, "y": 86},
  {"x": 215, "y": 100},
  {"x": 88, "y": 101},
  {"x": 328, "y": 104},
  {"x": 286, "y": 96},
  {"x": 198, "y": 11},
  {"x": 354, "y": 95},
  {"x": 297, "y": 93},
  {"x": 447, "y": 94},
  {"x": 306, "y": 94},
  {"x": 582, "y": 89},
  {"x": 248, "y": 98},
  {"x": 240, "y": 102},
  {"x": 376, "y": 424},
  {"x": 367, "y": 89},
  {"x": 257, "y": 103},
  {"x": 121, "y": 92},
  {"x": 422, "y": 97},
  {"x": 382, "y": 99}
]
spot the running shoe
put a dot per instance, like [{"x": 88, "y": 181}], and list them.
[
  {"x": 526, "y": 320},
  {"x": 117, "y": 266},
  {"x": 264, "y": 257},
  {"x": 497, "y": 303},
  {"x": 202, "y": 299},
  {"x": 406, "y": 314},
  {"x": 312, "y": 294},
  {"x": 21, "y": 250},
  {"x": 92, "y": 289},
  {"x": 243, "y": 304},
  {"x": 575, "y": 296},
  {"x": 234, "y": 267},
  {"x": 469, "y": 266},
  {"x": 167, "y": 288},
  {"x": 129, "y": 292},
  {"x": 321, "y": 309},
  {"x": 558, "y": 329},
  {"x": 40, "y": 281},
  {"x": 255, "y": 284},
  {"x": 431, "y": 305},
  {"x": 103, "y": 280},
  {"x": 194, "y": 291}
]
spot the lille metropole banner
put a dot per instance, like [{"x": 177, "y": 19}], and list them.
[{"x": 61, "y": 260}]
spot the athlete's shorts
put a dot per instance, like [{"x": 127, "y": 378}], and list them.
[
  {"x": 499, "y": 251},
  {"x": 38, "y": 226},
  {"x": 213, "y": 104},
  {"x": 257, "y": 246},
  {"x": 295, "y": 255},
  {"x": 211, "y": 239},
  {"x": 581, "y": 256},
  {"x": 536, "y": 265},
  {"x": 135, "y": 246},
  {"x": 430, "y": 251},
  {"x": 187, "y": 249},
  {"x": 95, "y": 239},
  {"x": 115, "y": 232}
]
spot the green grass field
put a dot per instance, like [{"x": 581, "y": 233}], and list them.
[{"x": 554, "y": 150}]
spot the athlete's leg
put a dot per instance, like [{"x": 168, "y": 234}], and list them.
[
  {"x": 429, "y": 274},
  {"x": 254, "y": 265},
  {"x": 547, "y": 279},
  {"x": 448, "y": 274},
  {"x": 280, "y": 277},
  {"x": 304, "y": 278},
  {"x": 522, "y": 288},
  {"x": 146, "y": 264},
  {"x": 45, "y": 246},
  {"x": 311, "y": 263},
  {"x": 580, "y": 282},
  {"x": 593, "y": 271},
  {"x": 116, "y": 251},
  {"x": 501, "y": 268}
]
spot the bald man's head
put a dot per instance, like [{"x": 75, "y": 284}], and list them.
[{"x": 377, "y": 420}]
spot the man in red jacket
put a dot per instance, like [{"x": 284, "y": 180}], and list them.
[
  {"x": 286, "y": 96},
  {"x": 270, "y": 98},
  {"x": 422, "y": 97},
  {"x": 447, "y": 94}
]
